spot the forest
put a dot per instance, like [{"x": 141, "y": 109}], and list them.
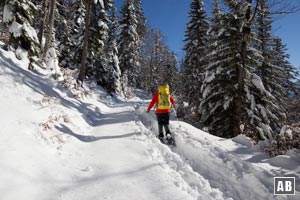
[{"x": 235, "y": 77}]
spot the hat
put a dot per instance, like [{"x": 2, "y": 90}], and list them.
[{"x": 165, "y": 81}]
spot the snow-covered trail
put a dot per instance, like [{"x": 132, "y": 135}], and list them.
[
  {"x": 105, "y": 148},
  {"x": 229, "y": 169},
  {"x": 117, "y": 165},
  {"x": 54, "y": 146},
  {"x": 139, "y": 166}
]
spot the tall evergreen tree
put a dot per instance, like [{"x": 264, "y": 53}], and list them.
[
  {"x": 82, "y": 71},
  {"x": 271, "y": 73},
  {"x": 98, "y": 41},
  {"x": 2, "y": 3},
  {"x": 129, "y": 45},
  {"x": 96, "y": 34},
  {"x": 43, "y": 21},
  {"x": 70, "y": 32},
  {"x": 219, "y": 86},
  {"x": 234, "y": 98},
  {"x": 50, "y": 38},
  {"x": 141, "y": 31},
  {"x": 19, "y": 17},
  {"x": 195, "y": 44},
  {"x": 141, "y": 19},
  {"x": 3, "y": 28},
  {"x": 289, "y": 73},
  {"x": 113, "y": 69}
]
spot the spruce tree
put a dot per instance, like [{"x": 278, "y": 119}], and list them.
[
  {"x": 70, "y": 32},
  {"x": 98, "y": 41},
  {"x": 219, "y": 86},
  {"x": 82, "y": 71},
  {"x": 141, "y": 19},
  {"x": 96, "y": 33},
  {"x": 271, "y": 73},
  {"x": 43, "y": 22},
  {"x": 111, "y": 50},
  {"x": 50, "y": 38},
  {"x": 1, "y": 14},
  {"x": 195, "y": 44},
  {"x": 3, "y": 28},
  {"x": 141, "y": 31},
  {"x": 234, "y": 98},
  {"x": 18, "y": 15},
  {"x": 129, "y": 45},
  {"x": 289, "y": 75},
  {"x": 2, "y": 3}
]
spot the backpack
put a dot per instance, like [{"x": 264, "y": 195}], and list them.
[{"x": 164, "y": 97}]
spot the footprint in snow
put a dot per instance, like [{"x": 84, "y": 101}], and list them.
[{"x": 87, "y": 169}]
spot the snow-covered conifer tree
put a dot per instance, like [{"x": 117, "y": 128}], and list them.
[
  {"x": 1, "y": 11},
  {"x": 290, "y": 73},
  {"x": 2, "y": 25},
  {"x": 218, "y": 88},
  {"x": 70, "y": 32},
  {"x": 112, "y": 65},
  {"x": 234, "y": 98},
  {"x": 19, "y": 17},
  {"x": 50, "y": 36},
  {"x": 82, "y": 71},
  {"x": 99, "y": 32},
  {"x": 195, "y": 47},
  {"x": 141, "y": 19},
  {"x": 141, "y": 31},
  {"x": 272, "y": 74},
  {"x": 43, "y": 18},
  {"x": 129, "y": 45}
]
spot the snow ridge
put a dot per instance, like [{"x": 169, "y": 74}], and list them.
[
  {"x": 221, "y": 169},
  {"x": 185, "y": 177}
]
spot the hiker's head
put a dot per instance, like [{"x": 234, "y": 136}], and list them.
[{"x": 165, "y": 82}]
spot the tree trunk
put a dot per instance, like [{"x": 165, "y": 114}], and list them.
[
  {"x": 85, "y": 42},
  {"x": 49, "y": 34},
  {"x": 241, "y": 72},
  {"x": 43, "y": 22}
]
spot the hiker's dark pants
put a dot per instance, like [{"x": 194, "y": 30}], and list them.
[{"x": 163, "y": 122}]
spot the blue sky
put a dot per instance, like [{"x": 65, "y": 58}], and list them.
[
  {"x": 288, "y": 29},
  {"x": 171, "y": 16}
]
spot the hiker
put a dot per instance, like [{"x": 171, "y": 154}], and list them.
[{"x": 163, "y": 100}]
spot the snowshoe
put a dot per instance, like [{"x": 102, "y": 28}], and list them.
[
  {"x": 170, "y": 140},
  {"x": 161, "y": 139}
]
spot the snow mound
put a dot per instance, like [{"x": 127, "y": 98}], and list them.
[{"x": 242, "y": 139}]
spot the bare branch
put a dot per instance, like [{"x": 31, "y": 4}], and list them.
[{"x": 279, "y": 7}]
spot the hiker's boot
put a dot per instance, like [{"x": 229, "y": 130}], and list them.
[{"x": 170, "y": 139}]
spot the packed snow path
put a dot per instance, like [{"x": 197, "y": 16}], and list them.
[
  {"x": 54, "y": 146},
  {"x": 133, "y": 170},
  {"x": 104, "y": 148},
  {"x": 136, "y": 170}
]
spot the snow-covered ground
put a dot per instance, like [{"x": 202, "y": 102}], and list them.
[{"x": 54, "y": 146}]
